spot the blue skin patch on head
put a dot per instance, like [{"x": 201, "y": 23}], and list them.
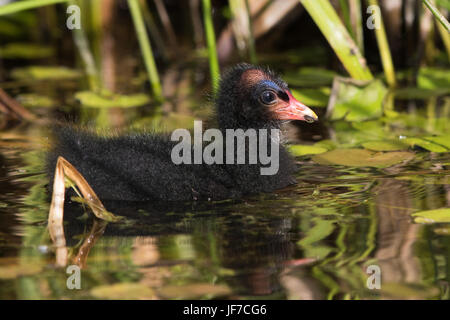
[
  {"x": 281, "y": 94},
  {"x": 271, "y": 84}
]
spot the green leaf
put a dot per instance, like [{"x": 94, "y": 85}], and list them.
[
  {"x": 432, "y": 216},
  {"x": 94, "y": 100},
  {"x": 45, "y": 73},
  {"x": 428, "y": 145},
  {"x": 434, "y": 78},
  {"x": 356, "y": 101},
  {"x": 25, "y": 51},
  {"x": 442, "y": 140},
  {"x": 310, "y": 77},
  {"x": 321, "y": 230},
  {"x": 301, "y": 150},
  {"x": 313, "y": 97},
  {"x": 362, "y": 158},
  {"x": 327, "y": 144},
  {"x": 385, "y": 145},
  {"x": 416, "y": 93}
]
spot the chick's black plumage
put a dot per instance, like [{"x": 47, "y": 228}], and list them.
[{"x": 138, "y": 167}]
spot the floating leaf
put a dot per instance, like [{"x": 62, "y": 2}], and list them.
[
  {"x": 356, "y": 101},
  {"x": 193, "y": 291},
  {"x": 25, "y": 51},
  {"x": 301, "y": 150},
  {"x": 45, "y": 73},
  {"x": 362, "y": 158},
  {"x": 428, "y": 145},
  {"x": 313, "y": 97},
  {"x": 128, "y": 291},
  {"x": 382, "y": 145},
  {"x": 327, "y": 144},
  {"x": 434, "y": 78},
  {"x": 94, "y": 100},
  {"x": 371, "y": 128},
  {"x": 441, "y": 140},
  {"x": 432, "y": 216}
]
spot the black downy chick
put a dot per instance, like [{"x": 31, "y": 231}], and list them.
[{"x": 139, "y": 167}]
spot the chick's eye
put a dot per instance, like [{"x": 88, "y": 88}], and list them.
[{"x": 268, "y": 97}]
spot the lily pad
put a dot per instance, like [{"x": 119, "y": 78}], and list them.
[
  {"x": 94, "y": 100},
  {"x": 45, "y": 73},
  {"x": 362, "y": 158},
  {"x": 432, "y": 216},
  {"x": 356, "y": 101},
  {"x": 193, "y": 291},
  {"x": 441, "y": 140},
  {"x": 128, "y": 291},
  {"x": 382, "y": 145},
  {"x": 425, "y": 144},
  {"x": 301, "y": 150},
  {"x": 327, "y": 144}
]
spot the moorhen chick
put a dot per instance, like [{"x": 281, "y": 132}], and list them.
[{"x": 139, "y": 167}]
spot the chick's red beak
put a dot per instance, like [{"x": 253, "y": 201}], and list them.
[{"x": 294, "y": 110}]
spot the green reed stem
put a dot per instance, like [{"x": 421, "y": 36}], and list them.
[
  {"x": 82, "y": 44},
  {"x": 211, "y": 42},
  {"x": 445, "y": 36},
  {"x": 326, "y": 18},
  {"x": 251, "y": 39},
  {"x": 95, "y": 8},
  {"x": 383, "y": 46},
  {"x": 357, "y": 22},
  {"x": 146, "y": 48},
  {"x": 25, "y": 5},
  {"x": 155, "y": 34},
  {"x": 437, "y": 14},
  {"x": 343, "y": 4}
]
